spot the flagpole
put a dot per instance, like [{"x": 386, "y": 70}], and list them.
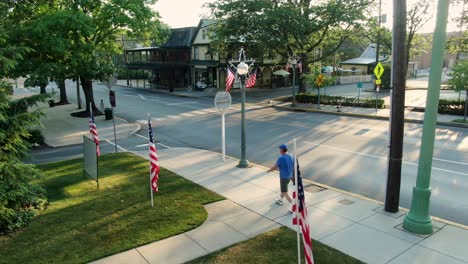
[
  {"x": 151, "y": 188},
  {"x": 296, "y": 200}
]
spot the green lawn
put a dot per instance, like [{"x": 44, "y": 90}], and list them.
[
  {"x": 276, "y": 246},
  {"x": 460, "y": 121},
  {"x": 83, "y": 223}
]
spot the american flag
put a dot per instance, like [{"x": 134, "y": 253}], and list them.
[
  {"x": 250, "y": 82},
  {"x": 154, "y": 162},
  {"x": 301, "y": 217},
  {"x": 93, "y": 130},
  {"x": 230, "y": 78}
]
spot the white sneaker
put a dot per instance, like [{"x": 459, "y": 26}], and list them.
[{"x": 279, "y": 202}]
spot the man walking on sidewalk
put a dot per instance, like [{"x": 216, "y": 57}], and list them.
[{"x": 285, "y": 165}]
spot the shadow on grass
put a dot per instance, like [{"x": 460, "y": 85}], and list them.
[{"x": 84, "y": 223}]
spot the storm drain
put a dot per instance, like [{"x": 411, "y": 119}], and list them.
[{"x": 346, "y": 202}]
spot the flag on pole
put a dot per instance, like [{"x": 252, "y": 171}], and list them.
[
  {"x": 154, "y": 162},
  {"x": 250, "y": 82},
  {"x": 93, "y": 130},
  {"x": 300, "y": 217},
  {"x": 230, "y": 78}
]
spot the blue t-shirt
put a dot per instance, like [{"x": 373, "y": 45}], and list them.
[{"x": 285, "y": 165}]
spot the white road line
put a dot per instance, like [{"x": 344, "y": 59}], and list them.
[
  {"x": 108, "y": 141},
  {"x": 138, "y": 135},
  {"x": 142, "y": 145},
  {"x": 452, "y": 161},
  {"x": 182, "y": 103},
  {"x": 379, "y": 157},
  {"x": 141, "y": 96},
  {"x": 165, "y": 146},
  {"x": 161, "y": 144}
]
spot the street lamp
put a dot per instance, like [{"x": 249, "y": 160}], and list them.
[
  {"x": 242, "y": 70},
  {"x": 293, "y": 62}
]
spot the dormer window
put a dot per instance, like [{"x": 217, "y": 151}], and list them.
[{"x": 203, "y": 33}]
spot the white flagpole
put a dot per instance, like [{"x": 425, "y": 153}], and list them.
[
  {"x": 297, "y": 205},
  {"x": 151, "y": 188},
  {"x": 223, "y": 136}
]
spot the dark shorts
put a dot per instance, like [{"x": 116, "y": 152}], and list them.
[{"x": 284, "y": 184}]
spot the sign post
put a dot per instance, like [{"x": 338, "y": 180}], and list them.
[
  {"x": 378, "y": 71},
  {"x": 222, "y": 102},
  {"x": 319, "y": 82},
  {"x": 109, "y": 83}
]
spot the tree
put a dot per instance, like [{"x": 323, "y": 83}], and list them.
[
  {"x": 459, "y": 81},
  {"x": 95, "y": 42},
  {"x": 416, "y": 17},
  {"x": 304, "y": 27},
  {"x": 458, "y": 44},
  {"x": 20, "y": 199}
]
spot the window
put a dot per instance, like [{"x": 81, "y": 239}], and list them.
[
  {"x": 195, "y": 53},
  {"x": 203, "y": 33}
]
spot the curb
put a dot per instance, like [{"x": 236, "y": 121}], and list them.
[
  {"x": 415, "y": 121},
  {"x": 163, "y": 92}
]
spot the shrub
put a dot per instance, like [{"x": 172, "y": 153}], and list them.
[
  {"x": 35, "y": 137},
  {"x": 451, "y": 107},
  {"x": 20, "y": 200},
  {"x": 308, "y": 98}
]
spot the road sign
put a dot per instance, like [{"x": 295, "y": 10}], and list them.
[
  {"x": 378, "y": 81},
  {"x": 319, "y": 80},
  {"x": 359, "y": 85},
  {"x": 378, "y": 71},
  {"x": 222, "y": 101}
]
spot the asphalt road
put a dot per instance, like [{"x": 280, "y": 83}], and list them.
[{"x": 343, "y": 152}]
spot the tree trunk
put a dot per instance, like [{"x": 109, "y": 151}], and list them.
[
  {"x": 302, "y": 84},
  {"x": 87, "y": 85},
  {"x": 43, "y": 89},
  {"x": 63, "y": 91}
]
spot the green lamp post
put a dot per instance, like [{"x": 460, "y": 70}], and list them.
[{"x": 418, "y": 219}]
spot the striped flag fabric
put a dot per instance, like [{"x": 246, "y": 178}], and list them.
[
  {"x": 250, "y": 82},
  {"x": 154, "y": 161},
  {"x": 93, "y": 130},
  {"x": 230, "y": 78},
  {"x": 300, "y": 217}
]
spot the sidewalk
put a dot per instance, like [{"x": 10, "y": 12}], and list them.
[
  {"x": 354, "y": 225},
  {"x": 410, "y": 116},
  {"x": 62, "y": 129}
]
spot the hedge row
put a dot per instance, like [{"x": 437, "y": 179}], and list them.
[
  {"x": 307, "y": 98},
  {"x": 451, "y": 107}
]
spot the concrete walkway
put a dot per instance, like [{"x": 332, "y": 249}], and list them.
[
  {"x": 62, "y": 129},
  {"x": 354, "y": 225}
]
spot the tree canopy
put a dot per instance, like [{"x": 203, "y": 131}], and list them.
[{"x": 287, "y": 26}]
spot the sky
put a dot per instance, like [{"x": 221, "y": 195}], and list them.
[{"x": 186, "y": 13}]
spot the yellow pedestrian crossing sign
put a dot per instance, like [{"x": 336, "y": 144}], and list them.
[
  {"x": 378, "y": 81},
  {"x": 319, "y": 80},
  {"x": 378, "y": 71}
]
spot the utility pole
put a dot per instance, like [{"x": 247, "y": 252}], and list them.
[
  {"x": 418, "y": 219},
  {"x": 392, "y": 197}
]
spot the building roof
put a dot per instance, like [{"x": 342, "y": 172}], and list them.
[
  {"x": 181, "y": 38},
  {"x": 367, "y": 57}
]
